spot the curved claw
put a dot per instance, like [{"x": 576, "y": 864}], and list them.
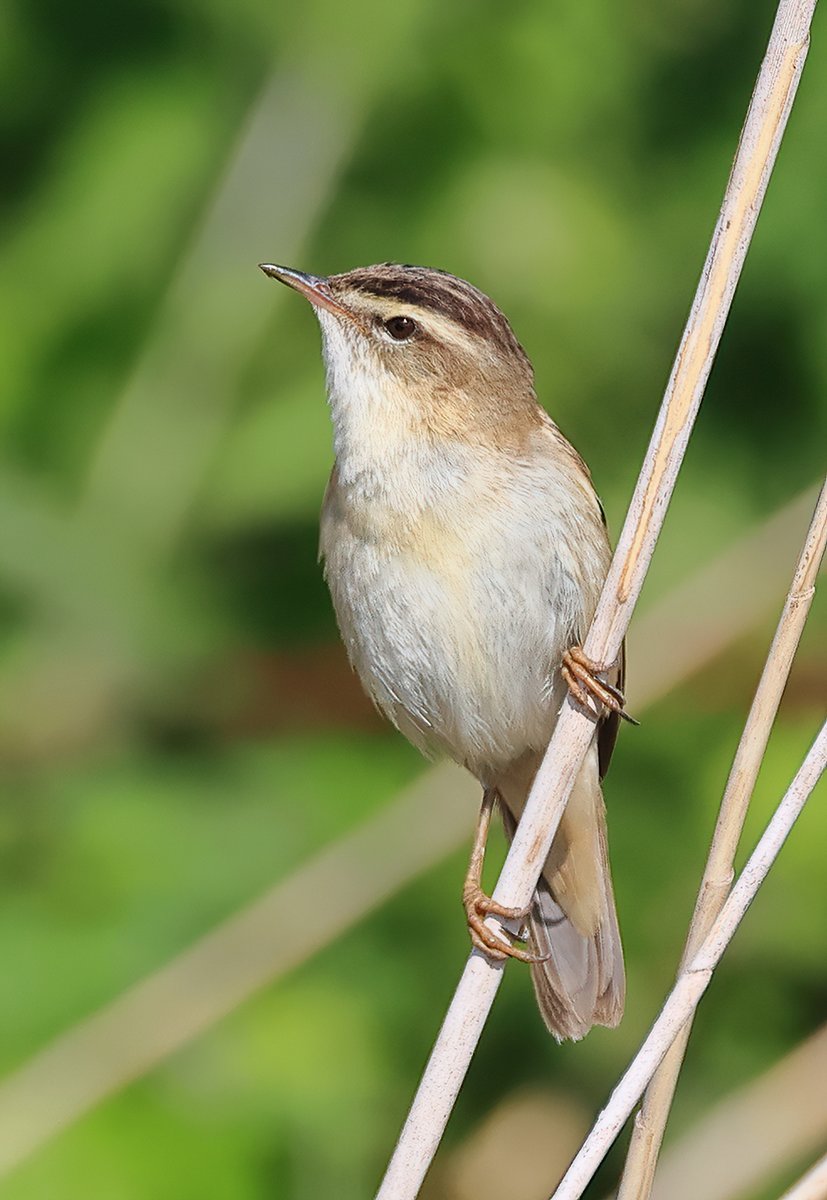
[
  {"x": 584, "y": 679},
  {"x": 477, "y": 907}
]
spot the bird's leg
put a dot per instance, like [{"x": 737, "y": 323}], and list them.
[
  {"x": 586, "y": 681},
  {"x": 477, "y": 904}
]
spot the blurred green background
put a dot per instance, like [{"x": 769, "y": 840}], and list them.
[{"x": 178, "y": 726}]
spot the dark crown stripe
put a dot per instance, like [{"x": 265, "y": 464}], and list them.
[{"x": 438, "y": 291}]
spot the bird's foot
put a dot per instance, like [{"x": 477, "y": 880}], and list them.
[
  {"x": 586, "y": 682},
  {"x": 478, "y": 906}
]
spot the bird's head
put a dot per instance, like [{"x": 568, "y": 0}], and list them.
[{"x": 422, "y": 343}]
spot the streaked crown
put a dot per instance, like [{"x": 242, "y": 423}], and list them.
[{"x": 442, "y": 340}]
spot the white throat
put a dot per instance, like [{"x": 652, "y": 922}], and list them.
[{"x": 381, "y": 453}]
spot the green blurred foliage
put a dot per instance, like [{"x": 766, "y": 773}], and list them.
[{"x": 157, "y": 570}]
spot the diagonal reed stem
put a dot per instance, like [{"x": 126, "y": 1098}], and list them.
[
  {"x": 758, "y": 1131},
  {"x": 812, "y": 1186},
  {"x": 760, "y": 138},
  {"x": 695, "y": 976},
  {"x": 650, "y": 1122}
]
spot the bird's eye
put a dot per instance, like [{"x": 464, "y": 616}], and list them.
[{"x": 400, "y": 328}]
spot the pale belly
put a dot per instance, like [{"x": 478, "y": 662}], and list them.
[{"x": 456, "y": 634}]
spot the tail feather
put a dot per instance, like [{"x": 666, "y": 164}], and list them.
[{"x": 573, "y": 923}]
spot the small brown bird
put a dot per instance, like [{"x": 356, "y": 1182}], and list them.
[{"x": 465, "y": 548}]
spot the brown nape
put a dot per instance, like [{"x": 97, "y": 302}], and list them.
[{"x": 439, "y": 291}]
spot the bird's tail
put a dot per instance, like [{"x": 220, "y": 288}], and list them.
[{"x": 572, "y": 922}]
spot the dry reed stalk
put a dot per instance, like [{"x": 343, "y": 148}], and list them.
[
  {"x": 812, "y": 1186},
  {"x": 757, "y": 1132},
  {"x": 650, "y": 1122},
  {"x": 761, "y": 1130},
  {"x": 757, "y": 149},
  {"x": 735, "y": 591},
  {"x": 695, "y": 976}
]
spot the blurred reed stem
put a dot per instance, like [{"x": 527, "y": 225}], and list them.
[{"x": 812, "y": 1186}]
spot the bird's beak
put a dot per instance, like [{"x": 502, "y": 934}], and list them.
[{"x": 315, "y": 287}]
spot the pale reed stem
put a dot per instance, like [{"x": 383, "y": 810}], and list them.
[
  {"x": 753, "y": 1133},
  {"x": 812, "y": 1186},
  {"x": 650, "y": 1123},
  {"x": 694, "y": 978},
  {"x": 757, "y": 149}
]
